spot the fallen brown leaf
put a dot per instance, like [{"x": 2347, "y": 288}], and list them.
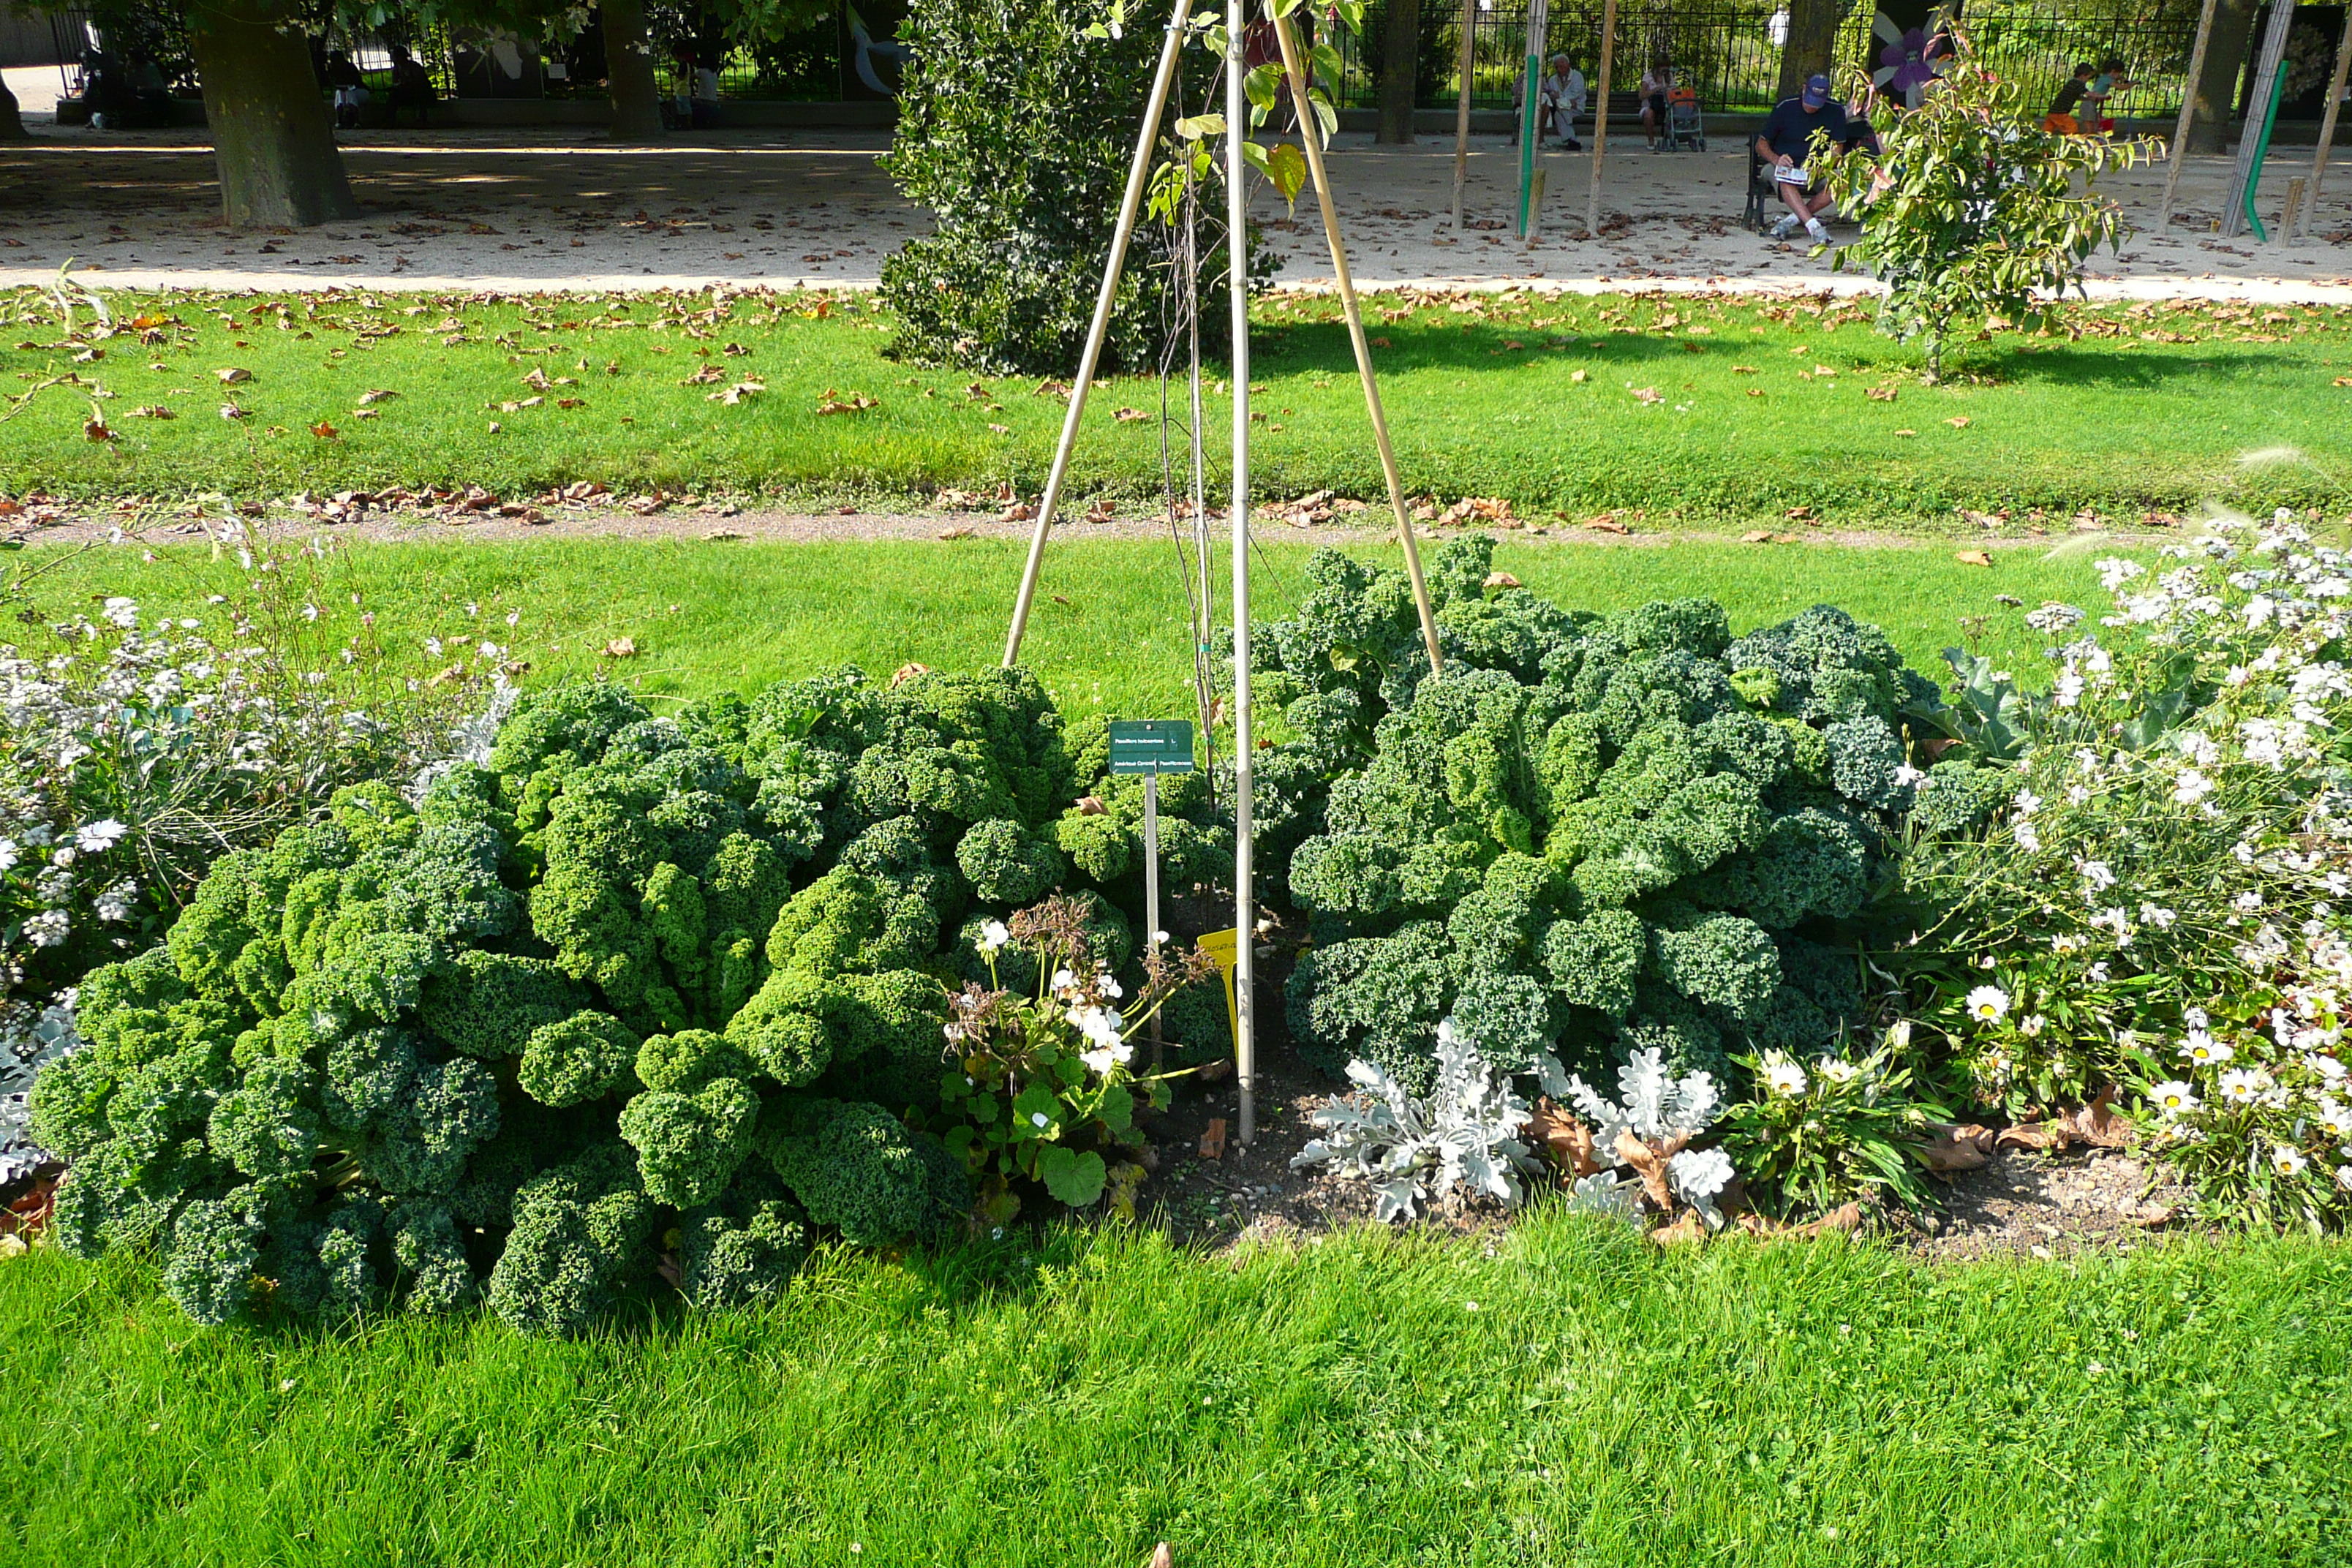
[
  {"x": 1958, "y": 1149},
  {"x": 1972, "y": 557},
  {"x": 1880, "y": 393},
  {"x": 1846, "y": 1219},
  {"x": 620, "y": 647},
  {"x": 1499, "y": 579},
  {"x": 232, "y": 375},
  {"x": 324, "y": 431},
  {"x": 1649, "y": 1161},
  {"x": 1566, "y": 1139},
  {"x": 906, "y": 672},
  {"x": 1756, "y": 536},
  {"x": 1128, "y": 416},
  {"x": 1687, "y": 1231},
  {"x": 1906, "y": 432},
  {"x": 1959, "y": 422},
  {"x": 955, "y": 533},
  {"x": 1578, "y": 375},
  {"x": 1212, "y": 1140},
  {"x": 152, "y": 411},
  {"x": 95, "y": 427}
]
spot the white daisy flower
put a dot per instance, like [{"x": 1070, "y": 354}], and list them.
[
  {"x": 2174, "y": 1097},
  {"x": 1988, "y": 1004}
]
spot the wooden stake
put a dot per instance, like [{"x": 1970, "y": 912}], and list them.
[
  {"x": 1137, "y": 172},
  {"x": 1462, "y": 107},
  {"x": 1293, "y": 70},
  {"x": 2327, "y": 122},
  {"x": 2180, "y": 147},
  {"x": 1600, "y": 117},
  {"x": 1245, "y": 744}
]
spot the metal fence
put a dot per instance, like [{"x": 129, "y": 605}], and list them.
[{"x": 1730, "y": 52}]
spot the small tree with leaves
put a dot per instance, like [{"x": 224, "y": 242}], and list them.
[{"x": 1971, "y": 214}]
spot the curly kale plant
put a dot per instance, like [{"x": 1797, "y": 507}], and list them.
[
  {"x": 639, "y": 994},
  {"x": 1596, "y": 835}
]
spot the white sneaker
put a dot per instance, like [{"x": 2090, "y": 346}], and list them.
[
  {"x": 1818, "y": 234},
  {"x": 1783, "y": 230}
]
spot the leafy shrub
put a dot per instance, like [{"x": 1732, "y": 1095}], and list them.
[
  {"x": 1016, "y": 128},
  {"x": 2159, "y": 907},
  {"x": 1972, "y": 214},
  {"x": 627, "y": 976},
  {"x": 1042, "y": 1083},
  {"x": 1840, "y": 1132},
  {"x": 1594, "y": 835},
  {"x": 136, "y": 749}
]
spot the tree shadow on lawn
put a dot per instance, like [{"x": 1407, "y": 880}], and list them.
[{"x": 2087, "y": 365}]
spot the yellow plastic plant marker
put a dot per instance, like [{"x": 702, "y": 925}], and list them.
[{"x": 1221, "y": 948}]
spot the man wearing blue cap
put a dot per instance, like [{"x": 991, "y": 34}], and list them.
[{"x": 1787, "y": 141}]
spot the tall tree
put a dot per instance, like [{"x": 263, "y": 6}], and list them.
[
  {"x": 1811, "y": 43},
  {"x": 1399, "y": 62},
  {"x": 272, "y": 142},
  {"x": 12, "y": 123},
  {"x": 2225, "y": 63},
  {"x": 629, "y": 71}
]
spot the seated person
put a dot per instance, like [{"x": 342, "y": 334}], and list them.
[
  {"x": 1655, "y": 83},
  {"x": 1560, "y": 101},
  {"x": 2062, "y": 120},
  {"x": 1786, "y": 142},
  {"x": 702, "y": 109},
  {"x": 411, "y": 85},
  {"x": 351, "y": 89}
]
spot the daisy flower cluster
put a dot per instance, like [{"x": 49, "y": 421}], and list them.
[
  {"x": 1835, "y": 1130},
  {"x": 2162, "y": 903}
]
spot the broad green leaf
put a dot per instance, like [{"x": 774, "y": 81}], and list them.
[
  {"x": 1285, "y": 165},
  {"x": 1076, "y": 1179},
  {"x": 1193, "y": 127}
]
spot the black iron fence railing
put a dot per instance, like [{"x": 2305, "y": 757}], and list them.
[{"x": 1729, "y": 51}]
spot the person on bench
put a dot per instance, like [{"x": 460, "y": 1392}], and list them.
[
  {"x": 412, "y": 86},
  {"x": 1561, "y": 99},
  {"x": 1786, "y": 142}
]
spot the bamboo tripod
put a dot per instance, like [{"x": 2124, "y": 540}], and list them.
[{"x": 1237, "y": 215}]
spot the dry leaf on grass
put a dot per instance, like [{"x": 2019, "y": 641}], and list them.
[
  {"x": 324, "y": 431},
  {"x": 906, "y": 672},
  {"x": 1972, "y": 557},
  {"x": 1128, "y": 416},
  {"x": 1756, "y": 536},
  {"x": 742, "y": 389},
  {"x": 1879, "y": 394},
  {"x": 231, "y": 411},
  {"x": 955, "y": 533},
  {"x": 1647, "y": 395},
  {"x": 1906, "y": 432},
  {"x": 620, "y": 647},
  {"x": 95, "y": 427},
  {"x": 1019, "y": 512},
  {"x": 1499, "y": 579},
  {"x": 1604, "y": 523},
  {"x": 1001, "y": 429},
  {"x": 1689, "y": 1230},
  {"x": 375, "y": 396},
  {"x": 1212, "y": 1140},
  {"x": 835, "y": 401},
  {"x": 152, "y": 411},
  {"x": 1958, "y": 422},
  {"x": 232, "y": 375},
  {"x": 1578, "y": 375}
]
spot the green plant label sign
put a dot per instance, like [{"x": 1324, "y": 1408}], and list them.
[{"x": 1151, "y": 745}]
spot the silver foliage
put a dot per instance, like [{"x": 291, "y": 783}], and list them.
[{"x": 1464, "y": 1132}]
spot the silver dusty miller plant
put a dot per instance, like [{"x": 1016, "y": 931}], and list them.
[
  {"x": 1464, "y": 1132},
  {"x": 1650, "y": 1127}
]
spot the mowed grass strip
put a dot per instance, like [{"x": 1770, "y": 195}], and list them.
[
  {"x": 1698, "y": 410},
  {"x": 1109, "y": 628},
  {"x": 1562, "y": 1393}
]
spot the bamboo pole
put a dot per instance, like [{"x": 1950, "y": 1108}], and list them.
[
  {"x": 1531, "y": 106},
  {"x": 2327, "y": 126},
  {"x": 1245, "y": 746},
  {"x": 1294, "y": 71},
  {"x": 1600, "y": 117},
  {"x": 1462, "y": 107},
  {"x": 2179, "y": 148},
  {"x": 1138, "y": 174}
]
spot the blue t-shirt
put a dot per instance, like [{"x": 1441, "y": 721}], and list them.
[{"x": 1789, "y": 130}]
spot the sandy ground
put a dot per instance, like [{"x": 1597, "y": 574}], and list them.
[{"x": 524, "y": 210}]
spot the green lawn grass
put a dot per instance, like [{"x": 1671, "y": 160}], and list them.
[
  {"x": 707, "y": 614},
  {"x": 1543, "y": 401},
  {"x": 1558, "y": 1395}
]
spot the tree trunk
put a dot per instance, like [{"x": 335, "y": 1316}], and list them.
[
  {"x": 1399, "y": 61},
  {"x": 629, "y": 72},
  {"x": 1812, "y": 45},
  {"x": 280, "y": 166},
  {"x": 12, "y": 123},
  {"x": 2225, "y": 62}
]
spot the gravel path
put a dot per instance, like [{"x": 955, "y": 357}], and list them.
[{"x": 516, "y": 211}]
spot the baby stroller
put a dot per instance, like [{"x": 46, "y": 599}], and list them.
[{"x": 1684, "y": 126}]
